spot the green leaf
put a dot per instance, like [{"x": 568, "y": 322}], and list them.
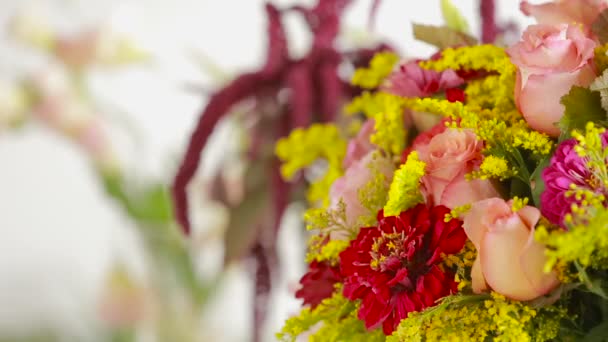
[
  {"x": 246, "y": 218},
  {"x": 581, "y": 106},
  {"x": 598, "y": 334},
  {"x": 452, "y": 17},
  {"x": 536, "y": 180},
  {"x": 152, "y": 204},
  {"x": 441, "y": 36}
]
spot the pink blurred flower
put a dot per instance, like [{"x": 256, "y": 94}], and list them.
[
  {"x": 550, "y": 60},
  {"x": 449, "y": 155},
  {"x": 346, "y": 188},
  {"x": 63, "y": 109},
  {"x": 360, "y": 145},
  {"x": 124, "y": 302},
  {"x": 79, "y": 50},
  {"x": 509, "y": 260},
  {"x": 565, "y": 11}
]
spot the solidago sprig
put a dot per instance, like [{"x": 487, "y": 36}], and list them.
[{"x": 404, "y": 191}]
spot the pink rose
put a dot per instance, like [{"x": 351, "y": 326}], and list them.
[
  {"x": 550, "y": 60},
  {"x": 346, "y": 188},
  {"x": 509, "y": 260},
  {"x": 360, "y": 145},
  {"x": 565, "y": 11},
  {"x": 449, "y": 155}
]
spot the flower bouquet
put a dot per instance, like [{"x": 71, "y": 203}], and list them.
[{"x": 463, "y": 196}]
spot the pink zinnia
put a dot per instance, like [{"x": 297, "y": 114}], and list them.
[
  {"x": 410, "y": 80},
  {"x": 566, "y": 168}
]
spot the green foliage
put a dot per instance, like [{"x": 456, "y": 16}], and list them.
[
  {"x": 537, "y": 184},
  {"x": 582, "y": 106},
  {"x": 338, "y": 321},
  {"x": 152, "y": 204},
  {"x": 481, "y": 318},
  {"x": 441, "y": 36},
  {"x": 452, "y": 17}
]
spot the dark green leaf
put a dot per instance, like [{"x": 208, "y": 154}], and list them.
[
  {"x": 597, "y": 334},
  {"x": 536, "y": 181},
  {"x": 581, "y": 106},
  {"x": 245, "y": 218},
  {"x": 243, "y": 224},
  {"x": 441, "y": 36}
]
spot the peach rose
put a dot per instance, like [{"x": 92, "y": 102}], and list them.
[
  {"x": 346, "y": 188},
  {"x": 565, "y": 11},
  {"x": 550, "y": 60},
  {"x": 449, "y": 155},
  {"x": 509, "y": 260}
]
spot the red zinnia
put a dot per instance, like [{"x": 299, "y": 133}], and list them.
[
  {"x": 394, "y": 268},
  {"x": 318, "y": 283}
]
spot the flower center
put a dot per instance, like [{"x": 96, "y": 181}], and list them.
[
  {"x": 394, "y": 251},
  {"x": 386, "y": 251}
]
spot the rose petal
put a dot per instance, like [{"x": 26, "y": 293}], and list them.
[
  {"x": 533, "y": 261},
  {"x": 477, "y": 278},
  {"x": 499, "y": 249}
]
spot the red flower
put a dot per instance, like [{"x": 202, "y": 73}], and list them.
[
  {"x": 394, "y": 268},
  {"x": 455, "y": 94},
  {"x": 318, "y": 283}
]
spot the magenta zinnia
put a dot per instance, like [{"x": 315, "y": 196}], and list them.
[
  {"x": 567, "y": 168},
  {"x": 395, "y": 268}
]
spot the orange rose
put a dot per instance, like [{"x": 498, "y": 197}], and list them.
[
  {"x": 449, "y": 155},
  {"x": 509, "y": 260}
]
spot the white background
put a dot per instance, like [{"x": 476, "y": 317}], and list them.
[{"x": 58, "y": 231}]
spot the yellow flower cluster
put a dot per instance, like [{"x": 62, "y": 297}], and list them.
[
  {"x": 404, "y": 191},
  {"x": 519, "y": 203},
  {"x": 480, "y": 318},
  {"x": 461, "y": 263},
  {"x": 489, "y": 127},
  {"x": 387, "y": 111},
  {"x": 373, "y": 195},
  {"x": 303, "y": 147},
  {"x": 590, "y": 147},
  {"x": 585, "y": 243},
  {"x": 390, "y": 135},
  {"x": 339, "y": 323},
  {"x": 493, "y": 167},
  {"x": 601, "y": 59},
  {"x": 322, "y": 250},
  {"x": 457, "y": 212},
  {"x": 380, "y": 66},
  {"x": 487, "y": 58}
]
